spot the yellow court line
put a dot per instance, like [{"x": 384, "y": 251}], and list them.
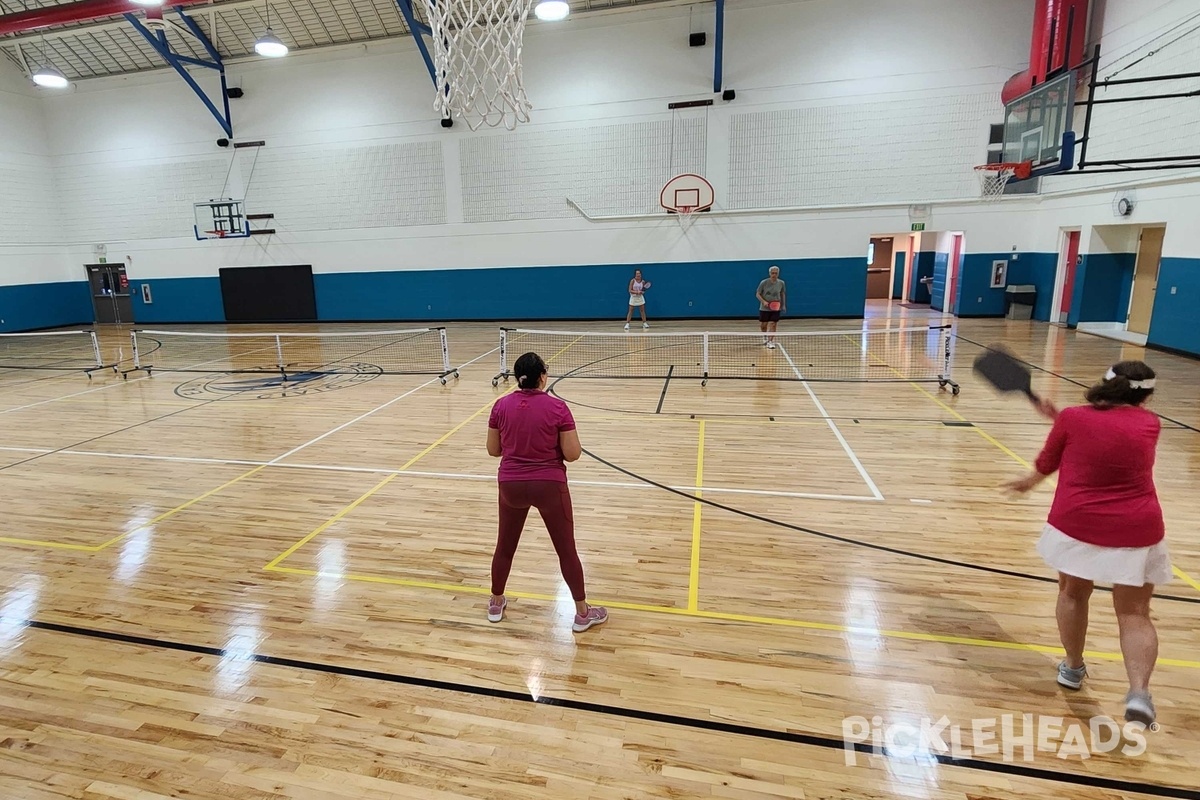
[
  {"x": 1188, "y": 579},
  {"x": 987, "y": 436},
  {"x": 719, "y": 616},
  {"x": 275, "y": 562},
  {"x": 694, "y": 571},
  {"x": 96, "y": 548},
  {"x": 184, "y": 506},
  {"x": 86, "y": 548}
]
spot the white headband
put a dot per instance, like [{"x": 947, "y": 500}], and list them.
[{"x": 1146, "y": 384}]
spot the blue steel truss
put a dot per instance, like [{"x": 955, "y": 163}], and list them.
[
  {"x": 419, "y": 31},
  {"x": 158, "y": 40}
]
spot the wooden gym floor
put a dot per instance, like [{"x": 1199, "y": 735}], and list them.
[{"x": 247, "y": 595}]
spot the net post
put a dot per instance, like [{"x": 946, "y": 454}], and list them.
[
  {"x": 946, "y": 379},
  {"x": 137, "y": 355},
  {"x": 95, "y": 354},
  {"x": 503, "y": 374},
  {"x": 704, "y": 359},
  {"x": 445, "y": 351},
  {"x": 279, "y": 356}
]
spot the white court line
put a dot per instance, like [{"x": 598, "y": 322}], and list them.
[
  {"x": 832, "y": 425},
  {"x": 462, "y": 476},
  {"x": 361, "y": 417}
]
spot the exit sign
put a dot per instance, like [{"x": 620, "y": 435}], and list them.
[{"x": 918, "y": 226}]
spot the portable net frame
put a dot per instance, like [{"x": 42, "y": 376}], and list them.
[
  {"x": 67, "y": 351},
  {"x": 899, "y": 355},
  {"x": 418, "y": 351},
  {"x": 994, "y": 178},
  {"x": 477, "y": 58}
]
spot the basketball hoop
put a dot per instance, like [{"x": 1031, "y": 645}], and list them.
[
  {"x": 686, "y": 195},
  {"x": 477, "y": 54},
  {"x": 993, "y": 178}
]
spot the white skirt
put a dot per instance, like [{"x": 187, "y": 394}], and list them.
[
  {"x": 637, "y": 300},
  {"x": 1127, "y": 566}
]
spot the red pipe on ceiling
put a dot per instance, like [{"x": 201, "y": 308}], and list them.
[
  {"x": 83, "y": 11},
  {"x": 1055, "y": 24}
]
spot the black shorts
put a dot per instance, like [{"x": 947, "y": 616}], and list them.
[{"x": 768, "y": 316}]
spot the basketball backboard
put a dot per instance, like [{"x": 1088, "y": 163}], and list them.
[
  {"x": 220, "y": 219},
  {"x": 687, "y": 194},
  {"x": 1038, "y": 127}
]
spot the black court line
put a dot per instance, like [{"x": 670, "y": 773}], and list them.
[
  {"x": 666, "y": 384},
  {"x": 553, "y": 389},
  {"x": 1052, "y": 373},
  {"x": 855, "y": 542},
  {"x": 1056, "y": 776}
]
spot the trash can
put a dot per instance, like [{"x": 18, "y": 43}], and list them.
[{"x": 1019, "y": 301}]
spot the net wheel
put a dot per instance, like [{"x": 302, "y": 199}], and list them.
[
  {"x": 495, "y": 382},
  {"x": 955, "y": 391},
  {"x": 704, "y": 382},
  {"x": 443, "y": 380}
]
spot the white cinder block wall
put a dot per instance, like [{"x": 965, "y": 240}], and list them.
[{"x": 848, "y": 110}]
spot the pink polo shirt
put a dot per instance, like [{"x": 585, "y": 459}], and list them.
[
  {"x": 1105, "y": 461},
  {"x": 529, "y": 421}
]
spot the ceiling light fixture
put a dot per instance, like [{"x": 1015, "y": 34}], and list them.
[
  {"x": 50, "y": 77},
  {"x": 552, "y": 10},
  {"x": 148, "y": 3},
  {"x": 269, "y": 45}
]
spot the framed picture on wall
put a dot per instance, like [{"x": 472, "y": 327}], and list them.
[{"x": 999, "y": 274}]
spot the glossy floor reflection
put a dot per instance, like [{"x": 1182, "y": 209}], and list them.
[{"x": 263, "y": 594}]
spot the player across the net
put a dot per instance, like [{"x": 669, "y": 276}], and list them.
[
  {"x": 418, "y": 351},
  {"x": 916, "y": 354}
]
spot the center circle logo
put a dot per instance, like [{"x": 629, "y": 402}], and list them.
[{"x": 269, "y": 386}]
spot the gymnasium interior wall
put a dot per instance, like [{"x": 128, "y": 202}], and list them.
[
  {"x": 35, "y": 289},
  {"x": 402, "y": 219}
]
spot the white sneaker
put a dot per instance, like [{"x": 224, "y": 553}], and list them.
[
  {"x": 770, "y": 345},
  {"x": 626, "y": 326},
  {"x": 646, "y": 325},
  {"x": 1139, "y": 708}
]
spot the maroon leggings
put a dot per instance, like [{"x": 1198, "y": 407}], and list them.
[{"x": 552, "y": 499}]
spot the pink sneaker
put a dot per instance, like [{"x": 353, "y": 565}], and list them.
[
  {"x": 596, "y": 615},
  {"x": 496, "y": 612}
]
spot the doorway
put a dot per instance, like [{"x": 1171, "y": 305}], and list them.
[
  {"x": 111, "y": 302},
  {"x": 879, "y": 268},
  {"x": 1145, "y": 279},
  {"x": 953, "y": 273},
  {"x": 1065, "y": 279}
]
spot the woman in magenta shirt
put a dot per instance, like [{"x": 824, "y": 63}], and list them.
[
  {"x": 1106, "y": 525},
  {"x": 532, "y": 434}
]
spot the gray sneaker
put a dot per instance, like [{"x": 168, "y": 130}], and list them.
[
  {"x": 1071, "y": 678},
  {"x": 1139, "y": 708}
]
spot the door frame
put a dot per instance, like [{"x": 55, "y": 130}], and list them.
[
  {"x": 1157, "y": 271},
  {"x": 1060, "y": 273},
  {"x": 115, "y": 268},
  {"x": 953, "y": 272}
]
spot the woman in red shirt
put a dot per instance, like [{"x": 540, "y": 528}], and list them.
[
  {"x": 1106, "y": 525},
  {"x": 533, "y": 433}
]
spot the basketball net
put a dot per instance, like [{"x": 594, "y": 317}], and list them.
[
  {"x": 993, "y": 178},
  {"x": 687, "y": 215},
  {"x": 477, "y": 56}
]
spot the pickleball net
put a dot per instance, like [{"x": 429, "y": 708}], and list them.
[
  {"x": 915, "y": 354},
  {"x": 54, "y": 350},
  {"x": 417, "y": 351}
]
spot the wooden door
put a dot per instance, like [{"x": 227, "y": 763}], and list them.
[{"x": 1145, "y": 279}]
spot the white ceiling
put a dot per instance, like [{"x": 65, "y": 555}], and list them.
[{"x": 113, "y": 47}]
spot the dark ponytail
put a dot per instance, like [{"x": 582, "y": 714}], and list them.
[
  {"x": 1118, "y": 389},
  {"x": 529, "y": 370}
]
